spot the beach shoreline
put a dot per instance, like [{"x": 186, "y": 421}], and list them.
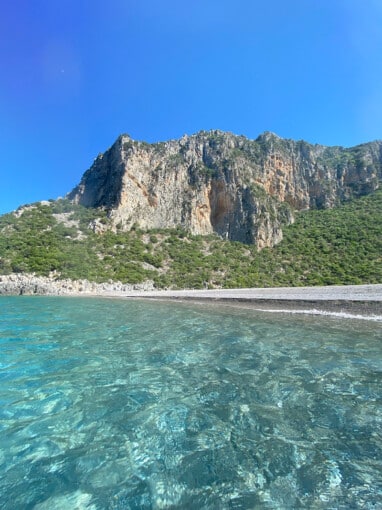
[
  {"x": 345, "y": 308},
  {"x": 354, "y": 300}
]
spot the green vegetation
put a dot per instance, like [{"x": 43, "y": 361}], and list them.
[
  {"x": 334, "y": 246},
  {"x": 337, "y": 246}
]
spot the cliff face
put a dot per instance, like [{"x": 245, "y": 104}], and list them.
[{"x": 242, "y": 189}]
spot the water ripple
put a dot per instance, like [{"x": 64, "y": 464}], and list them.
[{"x": 108, "y": 404}]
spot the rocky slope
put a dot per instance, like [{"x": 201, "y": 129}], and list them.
[{"x": 244, "y": 190}]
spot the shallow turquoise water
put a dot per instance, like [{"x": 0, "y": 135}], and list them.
[{"x": 117, "y": 404}]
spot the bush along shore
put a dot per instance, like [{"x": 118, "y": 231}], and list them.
[
  {"x": 30, "y": 284},
  {"x": 61, "y": 240}
]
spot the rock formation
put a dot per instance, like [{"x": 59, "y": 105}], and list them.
[
  {"x": 30, "y": 284},
  {"x": 244, "y": 190}
]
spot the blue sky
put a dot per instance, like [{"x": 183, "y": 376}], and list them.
[{"x": 75, "y": 74}]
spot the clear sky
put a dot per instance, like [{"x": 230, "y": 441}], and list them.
[{"x": 75, "y": 74}]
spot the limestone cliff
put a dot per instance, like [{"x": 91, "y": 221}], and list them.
[{"x": 214, "y": 181}]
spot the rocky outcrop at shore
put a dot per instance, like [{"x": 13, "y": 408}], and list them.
[{"x": 29, "y": 284}]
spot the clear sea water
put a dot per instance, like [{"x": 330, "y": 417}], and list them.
[{"x": 122, "y": 404}]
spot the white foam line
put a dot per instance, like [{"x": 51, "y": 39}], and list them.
[{"x": 343, "y": 315}]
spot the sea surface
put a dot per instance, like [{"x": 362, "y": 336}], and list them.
[{"x": 128, "y": 404}]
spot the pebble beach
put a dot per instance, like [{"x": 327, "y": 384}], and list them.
[{"x": 364, "y": 300}]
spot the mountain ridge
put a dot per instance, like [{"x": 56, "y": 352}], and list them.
[{"x": 217, "y": 182}]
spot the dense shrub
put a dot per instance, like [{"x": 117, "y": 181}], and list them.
[{"x": 337, "y": 246}]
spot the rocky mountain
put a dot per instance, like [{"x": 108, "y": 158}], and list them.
[{"x": 244, "y": 190}]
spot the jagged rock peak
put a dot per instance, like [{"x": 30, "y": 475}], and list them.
[
  {"x": 267, "y": 136},
  {"x": 215, "y": 181}
]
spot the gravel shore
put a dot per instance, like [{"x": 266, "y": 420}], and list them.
[
  {"x": 331, "y": 293},
  {"x": 349, "y": 300},
  {"x": 364, "y": 300}
]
